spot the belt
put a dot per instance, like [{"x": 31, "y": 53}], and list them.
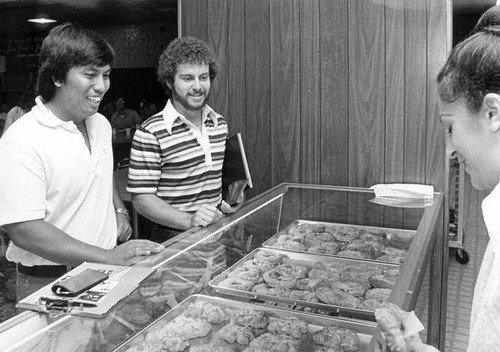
[{"x": 43, "y": 270}]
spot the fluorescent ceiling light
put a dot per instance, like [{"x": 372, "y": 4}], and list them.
[{"x": 41, "y": 20}]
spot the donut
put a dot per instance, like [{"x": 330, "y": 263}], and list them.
[
  {"x": 381, "y": 294},
  {"x": 317, "y": 238},
  {"x": 255, "y": 319},
  {"x": 293, "y": 245},
  {"x": 311, "y": 285},
  {"x": 289, "y": 326},
  {"x": 329, "y": 248},
  {"x": 352, "y": 287},
  {"x": 212, "y": 313},
  {"x": 354, "y": 254},
  {"x": 272, "y": 342},
  {"x": 232, "y": 333},
  {"x": 237, "y": 284},
  {"x": 266, "y": 256},
  {"x": 247, "y": 274},
  {"x": 277, "y": 277},
  {"x": 324, "y": 275},
  {"x": 337, "y": 297},
  {"x": 264, "y": 289},
  {"x": 346, "y": 339},
  {"x": 303, "y": 295},
  {"x": 297, "y": 271},
  {"x": 370, "y": 304}
]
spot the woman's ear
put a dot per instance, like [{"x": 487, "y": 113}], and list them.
[
  {"x": 57, "y": 83},
  {"x": 491, "y": 106}
]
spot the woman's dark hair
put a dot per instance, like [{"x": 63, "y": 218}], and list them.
[
  {"x": 185, "y": 50},
  {"x": 472, "y": 69},
  {"x": 489, "y": 18},
  {"x": 66, "y": 46}
]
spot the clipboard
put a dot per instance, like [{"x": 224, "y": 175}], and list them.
[
  {"x": 236, "y": 176},
  {"x": 94, "y": 302}
]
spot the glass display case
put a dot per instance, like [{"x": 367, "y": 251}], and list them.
[{"x": 191, "y": 262}]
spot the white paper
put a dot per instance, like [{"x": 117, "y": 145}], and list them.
[
  {"x": 412, "y": 325},
  {"x": 403, "y": 190}
]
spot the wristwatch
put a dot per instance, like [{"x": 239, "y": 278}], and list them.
[{"x": 123, "y": 211}]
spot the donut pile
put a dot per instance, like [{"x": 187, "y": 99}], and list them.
[
  {"x": 345, "y": 241},
  {"x": 361, "y": 286},
  {"x": 205, "y": 326}
]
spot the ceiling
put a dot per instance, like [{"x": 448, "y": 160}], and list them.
[
  {"x": 89, "y": 13},
  {"x": 93, "y": 13},
  {"x": 472, "y": 6}
]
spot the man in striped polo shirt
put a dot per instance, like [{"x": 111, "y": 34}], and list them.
[{"x": 175, "y": 172}]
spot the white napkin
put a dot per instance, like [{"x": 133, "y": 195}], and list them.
[
  {"x": 412, "y": 327},
  {"x": 403, "y": 190}
]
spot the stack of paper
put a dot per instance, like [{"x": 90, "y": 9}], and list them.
[{"x": 408, "y": 195}]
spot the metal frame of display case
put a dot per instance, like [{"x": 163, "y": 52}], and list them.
[
  {"x": 274, "y": 206},
  {"x": 456, "y": 210}
]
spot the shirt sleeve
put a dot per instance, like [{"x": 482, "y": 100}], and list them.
[
  {"x": 145, "y": 163},
  {"x": 22, "y": 183}
]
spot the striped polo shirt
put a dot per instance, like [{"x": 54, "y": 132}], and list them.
[{"x": 175, "y": 161}]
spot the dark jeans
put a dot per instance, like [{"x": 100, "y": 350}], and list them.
[
  {"x": 26, "y": 284},
  {"x": 160, "y": 233}
]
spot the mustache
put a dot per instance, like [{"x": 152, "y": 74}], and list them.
[{"x": 199, "y": 91}]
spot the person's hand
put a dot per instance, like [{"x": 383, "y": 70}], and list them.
[
  {"x": 124, "y": 229},
  {"x": 396, "y": 326},
  {"x": 132, "y": 250},
  {"x": 227, "y": 209},
  {"x": 205, "y": 215},
  {"x": 12, "y": 116}
]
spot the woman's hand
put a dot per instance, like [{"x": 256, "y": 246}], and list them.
[{"x": 400, "y": 329}]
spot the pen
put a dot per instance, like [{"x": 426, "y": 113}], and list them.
[{"x": 62, "y": 303}]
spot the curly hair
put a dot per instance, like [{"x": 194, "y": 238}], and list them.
[
  {"x": 185, "y": 50},
  {"x": 66, "y": 46},
  {"x": 472, "y": 69}
]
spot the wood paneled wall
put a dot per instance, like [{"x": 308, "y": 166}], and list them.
[{"x": 338, "y": 92}]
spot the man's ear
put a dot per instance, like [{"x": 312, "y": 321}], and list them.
[
  {"x": 168, "y": 84},
  {"x": 491, "y": 106}
]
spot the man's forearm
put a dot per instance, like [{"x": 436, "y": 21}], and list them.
[
  {"x": 159, "y": 211},
  {"x": 45, "y": 240}
]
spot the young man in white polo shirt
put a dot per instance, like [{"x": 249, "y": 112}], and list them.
[{"x": 59, "y": 204}]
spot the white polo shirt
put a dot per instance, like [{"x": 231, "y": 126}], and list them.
[{"x": 47, "y": 172}]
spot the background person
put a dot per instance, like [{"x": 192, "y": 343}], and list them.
[
  {"x": 124, "y": 118},
  {"x": 60, "y": 205},
  {"x": 175, "y": 173},
  {"x": 147, "y": 108},
  {"x": 109, "y": 108},
  {"x": 24, "y": 105}
]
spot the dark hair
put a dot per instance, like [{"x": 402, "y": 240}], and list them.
[
  {"x": 472, "y": 69},
  {"x": 66, "y": 46},
  {"x": 489, "y": 18},
  {"x": 185, "y": 50}
]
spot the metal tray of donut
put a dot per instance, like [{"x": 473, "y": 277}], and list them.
[
  {"x": 341, "y": 240},
  {"x": 221, "y": 324},
  {"x": 327, "y": 285}
]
